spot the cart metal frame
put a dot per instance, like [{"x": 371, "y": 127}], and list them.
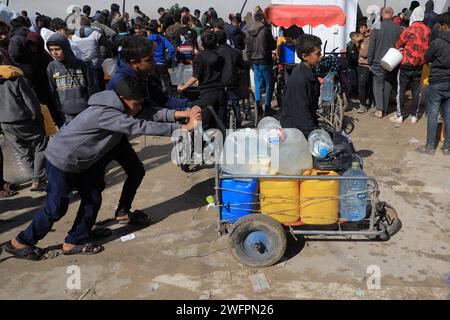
[{"x": 371, "y": 232}]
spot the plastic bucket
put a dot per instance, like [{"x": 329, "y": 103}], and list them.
[{"x": 391, "y": 59}]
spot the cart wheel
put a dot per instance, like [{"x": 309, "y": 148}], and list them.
[
  {"x": 258, "y": 241},
  {"x": 388, "y": 221}
]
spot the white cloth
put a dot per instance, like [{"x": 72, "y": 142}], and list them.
[{"x": 417, "y": 15}]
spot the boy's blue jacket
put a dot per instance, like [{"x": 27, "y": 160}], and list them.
[
  {"x": 160, "y": 52},
  {"x": 155, "y": 96}
]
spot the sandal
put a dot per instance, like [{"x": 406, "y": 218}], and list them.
[
  {"x": 7, "y": 193},
  {"x": 137, "y": 217},
  {"x": 29, "y": 253},
  {"x": 445, "y": 151},
  {"x": 9, "y": 186},
  {"x": 41, "y": 187},
  {"x": 84, "y": 249},
  {"x": 425, "y": 150}
]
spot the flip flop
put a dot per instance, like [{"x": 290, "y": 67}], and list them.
[
  {"x": 137, "y": 217},
  {"x": 29, "y": 253},
  {"x": 9, "y": 186},
  {"x": 7, "y": 193},
  {"x": 88, "y": 249}
]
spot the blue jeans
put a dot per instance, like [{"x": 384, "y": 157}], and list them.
[
  {"x": 438, "y": 99},
  {"x": 89, "y": 184},
  {"x": 263, "y": 72}
]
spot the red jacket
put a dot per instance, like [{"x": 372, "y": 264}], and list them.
[{"x": 415, "y": 41}]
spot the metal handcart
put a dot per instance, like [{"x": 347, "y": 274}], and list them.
[{"x": 259, "y": 240}]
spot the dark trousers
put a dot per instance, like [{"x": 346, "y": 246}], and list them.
[
  {"x": 2, "y": 181},
  {"x": 164, "y": 76},
  {"x": 89, "y": 184},
  {"x": 216, "y": 99},
  {"x": 233, "y": 100},
  {"x": 365, "y": 90},
  {"x": 383, "y": 83},
  {"x": 127, "y": 158},
  {"x": 408, "y": 78},
  {"x": 29, "y": 141},
  {"x": 438, "y": 99}
]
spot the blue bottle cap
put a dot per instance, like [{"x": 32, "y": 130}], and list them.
[{"x": 323, "y": 152}]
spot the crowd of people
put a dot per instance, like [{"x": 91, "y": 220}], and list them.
[{"x": 58, "y": 63}]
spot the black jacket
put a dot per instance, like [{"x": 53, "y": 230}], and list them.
[
  {"x": 260, "y": 44},
  {"x": 236, "y": 35},
  {"x": 300, "y": 101},
  {"x": 20, "y": 52},
  {"x": 439, "y": 55},
  {"x": 233, "y": 65},
  {"x": 207, "y": 69},
  {"x": 431, "y": 17}
]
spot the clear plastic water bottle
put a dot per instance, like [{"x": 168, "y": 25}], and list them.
[
  {"x": 353, "y": 195},
  {"x": 320, "y": 143},
  {"x": 328, "y": 88}
]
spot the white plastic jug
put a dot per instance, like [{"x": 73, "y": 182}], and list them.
[
  {"x": 391, "y": 59},
  {"x": 320, "y": 143},
  {"x": 244, "y": 152},
  {"x": 293, "y": 154}
]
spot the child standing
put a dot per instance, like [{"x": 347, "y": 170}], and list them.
[
  {"x": 71, "y": 80},
  {"x": 302, "y": 91},
  {"x": 22, "y": 123}
]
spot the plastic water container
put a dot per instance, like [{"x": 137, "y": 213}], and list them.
[
  {"x": 181, "y": 74},
  {"x": 280, "y": 199},
  {"x": 109, "y": 66},
  {"x": 244, "y": 152},
  {"x": 320, "y": 143},
  {"x": 293, "y": 154},
  {"x": 328, "y": 88},
  {"x": 319, "y": 199},
  {"x": 353, "y": 194},
  {"x": 239, "y": 198},
  {"x": 188, "y": 71},
  {"x": 391, "y": 59},
  {"x": 271, "y": 131},
  {"x": 287, "y": 53}
]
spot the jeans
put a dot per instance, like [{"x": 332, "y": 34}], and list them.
[
  {"x": 89, "y": 184},
  {"x": 127, "y": 158},
  {"x": 233, "y": 99},
  {"x": 263, "y": 72},
  {"x": 408, "y": 78},
  {"x": 383, "y": 83},
  {"x": 438, "y": 99}
]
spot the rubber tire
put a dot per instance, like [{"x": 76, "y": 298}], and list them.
[
  {"x": 388, "y": 229},
  {"x": 258, "y": 222}
]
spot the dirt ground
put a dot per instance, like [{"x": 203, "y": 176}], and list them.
[{"x": 181, "y": 256}]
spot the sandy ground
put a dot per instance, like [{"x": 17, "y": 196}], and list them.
[{"x": 181, "y": 256}]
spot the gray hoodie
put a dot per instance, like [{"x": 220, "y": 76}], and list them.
[
  {"x": 88, "y": 137},
  {"x": 382, "y": 39},
  {"x": 71, "y": 81}
]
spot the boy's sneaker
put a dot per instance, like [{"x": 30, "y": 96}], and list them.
[
  {"x": 396, "y": 119},
  {"x": 377, "y": 114},
  {"x": 425, "y": 150},
  {"x": 414, "y": 119},
  {"x": 445, "y": 151}
]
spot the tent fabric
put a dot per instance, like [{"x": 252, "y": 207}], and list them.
[
  {"x": 305, "y": 15},
  {"x": 7, "y": 14}
]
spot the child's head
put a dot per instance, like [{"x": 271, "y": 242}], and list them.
[
  {"x": 309, "y": 49},
  {"x": 151, "y": 29},
  {"x": 444, "y": 22},
  {"x": 189, "y": 36},
  {"x": 131, "y": 92},
  {"x": 221, "y": 37},
  {"x": 56, "y": 51},
  {"x": 209, "y": 40},
  {"x": 363, "y": 27},
  {"x": 354, "y": 36},
  {"x": 137, "y": 51}
]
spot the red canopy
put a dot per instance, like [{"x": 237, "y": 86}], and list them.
[{"x": 302, "y": 15}]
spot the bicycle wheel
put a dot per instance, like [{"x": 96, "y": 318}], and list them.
[
  {"x": 338, "y": 112},
  {"x": 232, "y": 121}
]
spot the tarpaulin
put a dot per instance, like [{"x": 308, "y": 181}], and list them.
[{"x": 305, "y": 15}]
